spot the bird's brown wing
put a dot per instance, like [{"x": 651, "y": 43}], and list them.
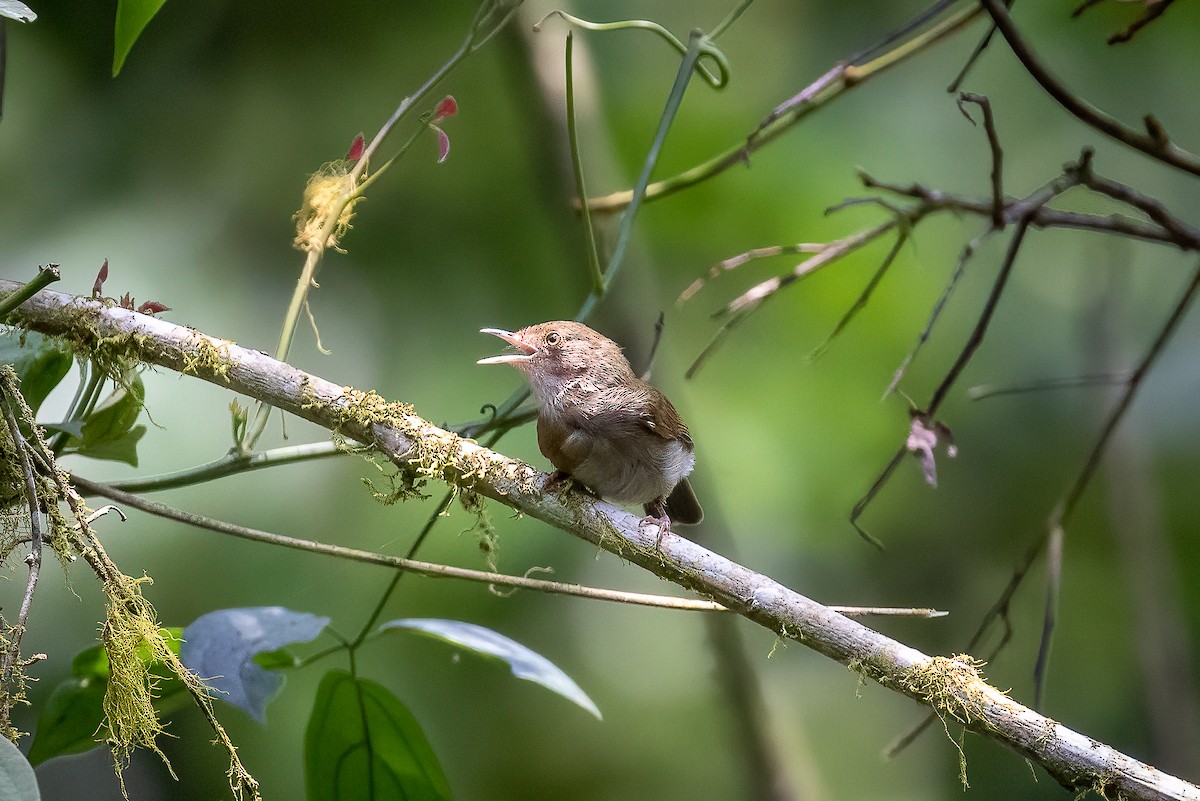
[
  {"x": 661, "y": 417},
  {"x": 565, "y": 445}
]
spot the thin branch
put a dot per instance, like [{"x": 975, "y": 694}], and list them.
[
  {"x": 424, "y": 568},
  {"x": 1136, "y": 379},
  {"x": 733, "y": 262},
  {"x": 981, "y": 325},
  {"x": 843, "y": 77},
  {"x": 589, "y": 230},
  {"x": 1155, "y": 145},
  {"x": 964, "y": 357},
  {"x": 989, "y": 125},
  {"x": 959, "y": 271},
  {"x": 1182, "y": 234},
  {"x": 435, "y": 570},
  {"x": 231, "y": 464},
  {"x": 951, "y": 686},
  {"x": 1043, "y": 217},
  {"x": 984, "y": 391},
  {"x": 864, "y": 297},
  {"x": 8, "y": 397},
  {"x": 972, "y": 59},
  {"x": 1153, "y": 11}
]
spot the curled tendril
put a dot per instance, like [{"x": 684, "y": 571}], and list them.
[
  {"x": 490, "y": 410},
  {"x": 716, "y": 79}
]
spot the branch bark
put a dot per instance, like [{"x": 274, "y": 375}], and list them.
[{"x": 952, "y": 687}]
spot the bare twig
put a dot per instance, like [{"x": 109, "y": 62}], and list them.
[
  {"x": 1062, "y": 513},
  {"x": 834, "y": 83},
  {"x": 985, "y": 318},
  {"x": 1154, "y": 145},
  {"x": 960, "y": 269},
  {"x": 989, "y": 125},
  {"x": 864, "y": 297},
  {"x": 1182, "y": 234},
  {"x": 964, "y": 357},
  {"x": 1153, "y": 11},
  {"x": 984, "y": 391},
  {"x": 1136, "y": 380},
  {"x": 1042, "y": 216}
]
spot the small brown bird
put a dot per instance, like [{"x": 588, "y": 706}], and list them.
[{"x": 602, "y": 425}]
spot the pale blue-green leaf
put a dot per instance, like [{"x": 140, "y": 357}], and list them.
[
  {"x": 525, "y": 663},
  {"x": 17, "y": 782},
  {"x": 220, "y": 648},
  {"x": 14, "y": 9}
]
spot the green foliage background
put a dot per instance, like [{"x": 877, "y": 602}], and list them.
[{"x": 184, "y": 172}]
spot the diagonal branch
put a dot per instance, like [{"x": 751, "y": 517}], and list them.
[{"x": 952, "y": 687}]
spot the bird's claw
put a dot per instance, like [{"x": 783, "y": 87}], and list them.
[{"x": 663, "y": 524}]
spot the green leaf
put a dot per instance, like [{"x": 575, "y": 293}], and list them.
[
  {"x": 525, "y": 663},
  {"x": 17, "y": 782},
  {"x": 122, "y": 449},
  {"x": 40, "y": 364},
  {"x": 279, "y": 659},
  {"x": 109, "y": 431},
  {"x": 72, "y": 718},
  {"x": 363, "y": 743},
  {"x": 132, "y": 18}
]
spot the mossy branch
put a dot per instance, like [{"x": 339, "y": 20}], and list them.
[{"x": 954, "y": 688}]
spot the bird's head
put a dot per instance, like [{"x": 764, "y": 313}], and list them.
[{"x": 555, "y": 353}]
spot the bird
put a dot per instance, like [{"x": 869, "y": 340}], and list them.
[{"x": 601, "y": 425}]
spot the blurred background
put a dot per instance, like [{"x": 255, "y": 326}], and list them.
[{"x": 184, "y": 173}]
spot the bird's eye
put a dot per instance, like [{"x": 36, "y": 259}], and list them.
[{"x": 552, "y": 338}]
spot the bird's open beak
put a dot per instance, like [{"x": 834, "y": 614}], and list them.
[{"x": 525, "y": 350}]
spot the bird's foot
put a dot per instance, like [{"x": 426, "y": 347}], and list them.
[
  {"x": 557, "y": 480},
  {"x": 656, "y": 515},
  {"x": 663, "y": 524}
]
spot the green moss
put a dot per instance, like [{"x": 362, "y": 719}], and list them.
[
  {"x": 129, "y": 700},
  {"x": 950, "y": 685},
  {"x": 209, "y": 358},
  {"x": 955, "y": 689}
]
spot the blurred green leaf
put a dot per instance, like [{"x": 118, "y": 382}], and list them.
[
  {"x": 121, "y": 449},
  {"x": 525, "y": 663},
  {"x": 17, "y": 781},
  {"x": 109, "y": 431},
  {"x": 279, "y": 659},
  {"x": 41, "y": 363},
  {"x": 72, "y": 719},
  {"x": 132, "y": 18},
  {"x": 384, "y": 757}
]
